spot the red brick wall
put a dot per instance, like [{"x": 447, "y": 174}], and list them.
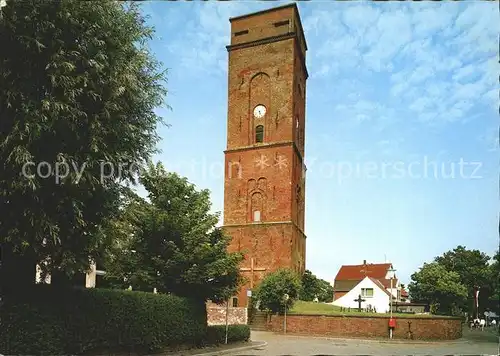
[
  {"x": 272, "y": 73},
  {"x": 216, "y": 315},
  {"x": 368, "y": 327}
]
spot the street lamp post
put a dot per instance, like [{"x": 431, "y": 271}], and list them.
[
  {"x": 391, "y": 271},
  {"x": 285, "y": 297},
  {"x": 227, "y": 319},
  {"x": 2, "y": 4}
]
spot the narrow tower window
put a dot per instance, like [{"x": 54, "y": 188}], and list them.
[
  {"x": 259, "y": 134},
  {"x": 256, "y": 205},
  {"x": 297, "y": 130}
]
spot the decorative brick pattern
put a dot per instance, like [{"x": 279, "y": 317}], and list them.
[
  {"x": 368, "y": 327},
  {"x": 216, "y": 315}
]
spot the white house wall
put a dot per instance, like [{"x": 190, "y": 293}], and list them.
[
  {"x": 395, "y": 288},
  {"x": 380, "y": 299}
]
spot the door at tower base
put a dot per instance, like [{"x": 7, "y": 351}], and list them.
[{"x": 216, "y": 314}]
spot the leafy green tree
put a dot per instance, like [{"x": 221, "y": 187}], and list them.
[
  {"x": 174, "y": 244},
  {"x": 441, "y": 288},
  {"x": 325, "y": 291},
  {"x": 495, "y": 279},
  {"x": 272, "y": 289},
  {"x": 79, "y": 89},
  {"x": 315, "y": 287},
  {"x": 474, "y": 270}
]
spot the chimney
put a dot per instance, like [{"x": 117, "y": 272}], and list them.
[{"x": 364, "y": 262}]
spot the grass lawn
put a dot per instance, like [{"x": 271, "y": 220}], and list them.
[{"x": 301, "y": 307}]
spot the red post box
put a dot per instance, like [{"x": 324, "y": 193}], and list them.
[{"x": 392, "y": 323}]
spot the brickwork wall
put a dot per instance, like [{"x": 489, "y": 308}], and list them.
[
  {"x": 268, "y": 244},
  {"x": 368, "y": 327},
  {"x": 271, "y": 73},
  {"x": 216, "y": 315}
]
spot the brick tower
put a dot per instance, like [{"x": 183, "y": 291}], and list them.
[{"x": 264, "y": 160}]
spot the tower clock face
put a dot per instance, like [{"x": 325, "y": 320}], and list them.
[{"x": 259, "y": 111}]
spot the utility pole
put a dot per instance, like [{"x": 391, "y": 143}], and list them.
[
  {"x": 285, "y": 297},
  {"x": 391, "y": 271}
]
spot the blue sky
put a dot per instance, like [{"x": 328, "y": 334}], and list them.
[{"x": 392, "y": 86}]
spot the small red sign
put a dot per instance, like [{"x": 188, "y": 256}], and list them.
[{"x": 392, "y": 323}]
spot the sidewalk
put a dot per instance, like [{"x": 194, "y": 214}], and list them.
[
  {"x": 266, "y": 335},
  {"x": 219, "y": 350}
]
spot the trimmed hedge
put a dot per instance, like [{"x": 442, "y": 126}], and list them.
[
  {"x": 216, "y": 334},
  {"x": 48, "y": 321}
]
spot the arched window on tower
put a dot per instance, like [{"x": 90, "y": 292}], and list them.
[{"x": 259, "y": 134}]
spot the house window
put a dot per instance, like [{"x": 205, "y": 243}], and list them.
[
  {"x": 367, "y": 292},
  {"x": 256, "y": 215},
  {"x": 259, "y": 134},
  {"x": 235, "y": 302}
]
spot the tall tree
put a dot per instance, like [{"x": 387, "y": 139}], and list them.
[
  {"x": 313, "y": 286},
  {"x": 473, "y": 268},
  {"x": 441, "y": 288},
  {"x": 77, "y": 119},
  {"x": 173, "y": 243},
  {"x": 495, "y": 278}
]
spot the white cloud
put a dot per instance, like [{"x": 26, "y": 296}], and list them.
[
  {"x": 359, "y": 19},
  {"x": 442, "y": 55},
  {"x": 440, "y": 58},
  {"x": 392, "y": 32},
  {"x": 427, "y": 20},
  {"x": 420, "y": 74},
  {"x": 464, "y": 72},
  {"x": 364, "y": 111},
  {"x": 422, "y": 104},
  {"x": 201, "y": 47}
]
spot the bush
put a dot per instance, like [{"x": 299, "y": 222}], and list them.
[
  {"x": 51, "y": 321},
  {"x": 274, "y": 286},
  {"x": 216, "y": 334}
]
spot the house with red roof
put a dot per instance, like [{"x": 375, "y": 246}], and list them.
[
  {"x": 404, "y": 294},
  {"x": 373, "y": 281}
]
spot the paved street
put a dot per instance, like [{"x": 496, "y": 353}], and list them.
[{"x": 297, "y": 346}]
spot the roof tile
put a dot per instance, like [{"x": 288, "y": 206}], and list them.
[{"x": 357, "y": 272}]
